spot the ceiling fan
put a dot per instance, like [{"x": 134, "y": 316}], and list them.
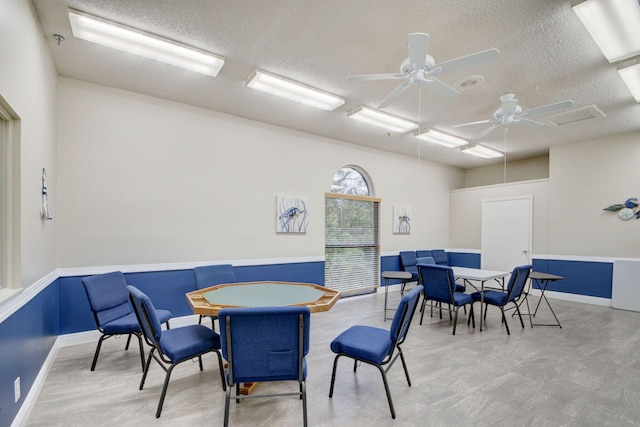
[
  {"x": 510, "y": 112},
  {"x": 420, "y": 67}
]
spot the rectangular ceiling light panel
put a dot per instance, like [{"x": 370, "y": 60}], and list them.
[
  {"x": 381, "y": 119},
  {"x": 483, "y": 151},
  {"x": 116, "y": 36},
  {"x": 441, "y": 138},
  {"x": 293, "y": 91},
  {"x": 613, "y": 24},
  {"x": 631, "y": 77}
]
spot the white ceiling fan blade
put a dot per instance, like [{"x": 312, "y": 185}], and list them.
[
  {"x": 487, "y": 131},
  {"x": 472, "y": 123},
  {"x": 549, "y": 108},
  {"x": 440, "y": 88},
  {"x": 389, "y": 76},
  {"x": 509, "y": 106},
  {"x": 418, "y": 45},
  {"x": 470, "y": 60},
  {"x": 528, "y": 123},
  {"x": 395, "y": 94}
]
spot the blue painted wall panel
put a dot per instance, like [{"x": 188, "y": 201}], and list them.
[
  {"x": 583, "y": 278},
  {"x": 460, "y": 259},
  {"x": 26, "y": 338},
  {"x": 307, "y": 272}
]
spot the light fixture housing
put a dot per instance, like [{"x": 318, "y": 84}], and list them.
[
  {"x": 293, "y": 90},
  {"x": 630, "y": 73},
  {"x": 381, "y": 119},
  {"x": 482, "y": 151},
  {"x": 131, "y": 40},
  {"x": 613, "y": 26},
  {"x": 441, "y": 138}
]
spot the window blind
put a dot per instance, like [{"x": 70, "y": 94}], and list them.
[{"x": 352, "y": 252}]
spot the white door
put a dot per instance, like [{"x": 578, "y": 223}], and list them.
[{"x": 506, "y": 233}]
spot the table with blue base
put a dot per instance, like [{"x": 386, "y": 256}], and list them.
[{"x": 404, "y": 276}]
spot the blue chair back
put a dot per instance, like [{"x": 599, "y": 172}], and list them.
[
  {"x": 212, "y": 275},
  {"x": 440, "y": 256},
  {"x": 409, "y": 261},
  {"x": 423, "y": 253},
  {"x": 438, "y": 282},
  {"x": 403, "y": 315},
  {"x": 426, "y": 260},
  {"x": 147, "y": 316},
  {"x": 108, "y": 296},
  {"x": 517, "y": 282},
  {"x": 265, "y": 343}
]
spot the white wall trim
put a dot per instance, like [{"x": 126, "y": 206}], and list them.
[
  {"x": 25, "y": 295},
  {"x": 139, "y": 268}
]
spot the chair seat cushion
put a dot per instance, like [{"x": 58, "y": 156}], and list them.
[
  {"x": 188, "y": 341},
  {"x": 363, "y": 342},
  {"x": 491, "y": 297},
  {"x": 460, "y": 298},
  {"x": 129, "y": 323}
]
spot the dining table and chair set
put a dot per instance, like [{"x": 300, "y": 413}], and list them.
[{"x": 265, "y": 326}]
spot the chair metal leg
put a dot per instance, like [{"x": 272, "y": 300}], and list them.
[
  {"x": 520, "y": 316},
  {"x": 404, "y": 366},
  {"x": 146, "y": 369},
  {"x": 226, "y": 406},
  {"x": 200, "y": 320},
  {"x": 222, "y": 379},
  {"x": 386, "y": 389},
  {"x": 200, "y": 362},
  {"x": 304, "y": 402},
  {"x": 141, "y": 349},
  {"x": 95, "y": 355},
  {"x": 126, "y": 347},
  {"x": 333, "y": 375},
  {"x": 164, "y": 390},
  {"x": 504, "y": 319},
  {"x": 455, "y": 322}
]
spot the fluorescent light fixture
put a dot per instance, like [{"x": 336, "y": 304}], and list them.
[
  {"x": 381, "y": 119},
  {"x": 437, "y": 137},
  {"x": 482, "y": 151},
  {"x": 631, "y": 76},
  {"x": 117, "y": 36},
  {"x": 613, "y": 25},
  {"x": 293, "y": 91}
]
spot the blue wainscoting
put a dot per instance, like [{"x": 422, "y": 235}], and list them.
[
  {"x": 580, "y": 277},
  {"x": 61, "y": 307},
  {"x": 26, "y": 338}
]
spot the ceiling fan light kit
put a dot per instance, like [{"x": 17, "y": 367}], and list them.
[
  {"x": 293, "y": 91},
  {"x": 441, "y": 138},
  {"x": 131, "y": 40},
  {"x": 381, "y": 119}
]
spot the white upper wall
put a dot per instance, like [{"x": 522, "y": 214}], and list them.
[
  {"x": 28, "y": 85},
  {"x": 584, "y": 178},
  {"x": 144, "y": 180},
  {"x": 587, "y": 177},
  {"x": 522, "y": 170}
]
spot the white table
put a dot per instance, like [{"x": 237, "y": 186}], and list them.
[
  {"x": 404, "y": 276},
  {"x": 471, "y": 275}
]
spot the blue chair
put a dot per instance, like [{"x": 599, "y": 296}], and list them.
[
  {"x": 213, "y": 275},
  {"x": 409, "y": 262},
  {"x": 440, "y": 287},
  {"x": 423, "y": 254},
  {"x": 264, "y": 344},
  {"x": 516, "y": 285},
  {"x": 171, "y": 347},
  {"x": 440, "y": 256},
  {"x": 109, "y": 301},
  {"x": 376, "y": 346}
]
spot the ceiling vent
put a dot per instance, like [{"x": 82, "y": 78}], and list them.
[{"x": 577, "y": 115}]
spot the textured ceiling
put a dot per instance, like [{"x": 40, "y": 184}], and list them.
[{"x": 546, "y": 56}]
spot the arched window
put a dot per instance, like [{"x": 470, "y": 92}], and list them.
[{"x": 352, "y": 250}]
